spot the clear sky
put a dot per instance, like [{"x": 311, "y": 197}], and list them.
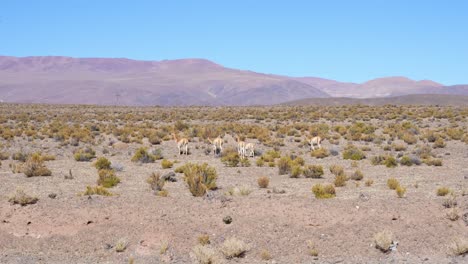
[{"x": 343, "y": 40}]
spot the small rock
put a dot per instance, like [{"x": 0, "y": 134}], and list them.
[
  {"x": 52, "y": 195},
  {"x": 363, "y": 197},
  {"x": 227, "y": 220},
  {"x": 465, "y": 218}
]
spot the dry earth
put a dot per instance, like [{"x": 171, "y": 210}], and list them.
[{"x": 73, "y": 228}]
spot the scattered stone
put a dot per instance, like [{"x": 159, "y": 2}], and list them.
[
  {"x": 465, "y": 218},
  {"x": 363, "y": 197},
  {"x": 52, "y": 195},
  {"x": 278, "y": 191},
  {"x": 227, "y": 220},
  {"x": 169, "y": 176}
]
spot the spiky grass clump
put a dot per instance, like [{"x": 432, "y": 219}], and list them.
[
  {"x": 21, "y": 198},
  {"x": 383, "y": 240},
  {"x": 323, "y": 191},
  {"x": 313, "y": 171},
  {"x": 97, "y": 190},
  {"x": 200, "y": 178},
  {"x": 392, "y": 183},
  {"x": 166, "y": 164},
  {"x": 34, "y": 166},
  {"x": 107, "y": 178},
  {"x": 102, "y": 163},
  {"x": 142, "y": 155},
  {"x": 234, "y": 248},
  {"x": 85, "y": 154}
]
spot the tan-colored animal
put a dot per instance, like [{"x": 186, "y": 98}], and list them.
[
  {"x": 182, "y": 144},
  {"x": 217, "y": 144},
  {"x": 315, "y": 141},
  {"x": 250, "y": 149},
  {"x": 240, "y": 147}
]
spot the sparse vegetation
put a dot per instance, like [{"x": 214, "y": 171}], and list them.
[
  {"x": 313, "y": 171},
  {"x": 393, "y": 183},
  {"x": 34, "y": 166},
  {"x": 166, "y": 164},
  {"x": 323, "y": 191},
  {"x": 97, "y": 190},
  {"x": 442, "y": 191},
  {"x": 102, "y": 164},
  {"x": 21, "y": 198},
  {"x": 200, "y": 178},
  {"x": 263, "y": 181},
  {"x": 234, "y": 248},
  {"x": 383, "y": 240}
]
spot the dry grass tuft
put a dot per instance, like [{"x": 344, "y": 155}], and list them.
[
  {"x": 383, "y": 240},
  {"x": 263, "y": 181},
  {"x": 21, "y": 198},
  {"x": 234, "y": 248}
]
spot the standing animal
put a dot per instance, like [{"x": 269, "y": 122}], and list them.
[
  {"x": 182, "y": 144},
  {"x": 240, "y": 147},
  {"x": 315, "y": 141},
  {"x": 250, "y": 149},
  {"x": 217, "y": 144}
]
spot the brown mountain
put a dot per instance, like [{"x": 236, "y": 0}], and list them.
[
  {"x": 53, "y": 79},
  {"x": 131, "y": 82},
  {"x": 411, "y": 99}
]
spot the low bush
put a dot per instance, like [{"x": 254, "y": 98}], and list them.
[
  {"x": 340, "y": 180},
  {"x": 383, "y": 240},
  {"x": 34, "y": 166},
  {"x": 21, "y": 198},
  {"x": 353, "y": 153},
  {"x": 166, "y": 164},
  {"x": 142, "y": 155},
  {"x": 234, "y": 248},
  {"x": 320, "y": 153},
  {"x": 313, "y": 171},
  {"x": 230, "y": 157},
  {"x": 200, "y": 178},
  {"x": 442, "y": 191},
  {"x": 392, "y": 183},
  {"x": 263, "y": 181},
  {"x": 85, "y": 154},
  {"x": 357, "y": 175},
  {"x": 107, "y": 178},
  {"x": 97, "y": 190},
  {"x": 323, "y": 191},
  {"x": 102, "y": 163}
]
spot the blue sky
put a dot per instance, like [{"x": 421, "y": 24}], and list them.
[{"x": 343, "y": 40}]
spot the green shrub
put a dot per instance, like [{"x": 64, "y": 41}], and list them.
[
  {"x": 284, "y": 165},
  {"x": 97, "y": 190},
  {"x": 353, "y": 153},
  {"x": 439, "y": 143},
  {"x": 323, "y": 191},
  {"x": 295, "y": 171},
  {"x": 320, "y": 153},
  {"x": 313, "y": 171},
  {"x": 166, "y": 164},
  {"x": 400, "y": 190},
  {"x": 230, "y": 157},
  {"x": 260, "y": 162},
  {"x": 390, "y": 162},
  {"x": 107, "y": 178},
  {"x": 357, "y": 175},
  {"x": 336, "y": 170},
  {"x": 102, "y": 164},
  {"x": 85, "y": 154},
  {"x": 406, "y": 161},
  {"x": 340, "y": 180},
  {"x": 392, "y": 183},
  {"x": 142, "y": 155},
  {"x": 245, "y": 162},
  {"x": 200, "y": 178}
]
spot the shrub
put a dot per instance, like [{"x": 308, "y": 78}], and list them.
[
  {"x": 263, "y": 181},
  {"x": 97, "y": 190},
  {"x": 107, "y": 178},
  {"x": 452, "y": 215},
  {"x": 121, "y": 245},
  {"x": 320, "y": 153},
  {"x": 102, "y": 163},
  {"x": 390, "y": 162},
  {"x": 340, "y": 180},
  {"x": 155, "y": 182},
  {"x": 85, "y": 154},
  {"x": 357, "y": 175},
  {"x": 284, "y": 165},
  {"x": 311, "y": 249},
  {"x": 323, "y": 191},
  {"x": 154, "y": 139},
  {"x": 205, "y": 255},
  {"x": 460, "y": 246},
  {"x": 313, "y": 171},
  {"x": 409, "y": 138},
  {"x": 433, "y": 162},
  {"x": 392, "y": 183},
  {"x": 406, "y": 161},
  {"x": 336, "y": 170},
  {"x": 265, "y": 255},
  {"x": 295, "y": 172},
  {"x": 383, "y": 240},
  {"x": 400, "y": 190},
  {"x": 260, "y": 162},
  {"x": 378, "y": 160},
  {"x": 4, "y": 156},
  {"x": 230, "y": 157},
  {"x": 166, "y": 164},
  {"x": 353, "y": 153},
  {"x": 234, "y": 248},
  {"x": 142, "y": 155},
  {"x": 439, "y": 143},
  {"x": 369, "y": 182},
  {"x": 20, "y": 156},
  {"x": 21, "y": 198},
  {"x": 245, "y": 162},
  {"x": 200, "y": 178},
  {"x": 34, "y": 167},
  {"x": 442, "y": 191},
  {"x": 204, "y": 239},
  {"x": 399, "y": 147}
]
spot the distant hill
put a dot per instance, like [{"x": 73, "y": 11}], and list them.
[
  {"x": 109, "y": 81},
  {"x": 131, "y": 82},
  {"x": 413, "y": 99}
]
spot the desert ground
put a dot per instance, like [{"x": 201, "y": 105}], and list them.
[{"x": 396, "y": 181}]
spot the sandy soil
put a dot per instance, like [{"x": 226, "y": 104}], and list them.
[{"x": 80, "y": 229}]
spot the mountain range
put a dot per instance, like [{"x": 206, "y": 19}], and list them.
[{"x": 109, "y": 81}]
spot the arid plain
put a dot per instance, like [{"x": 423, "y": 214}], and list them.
[{"x": 388, "y": 185}]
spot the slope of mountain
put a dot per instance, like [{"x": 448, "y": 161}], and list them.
[
  {"x": 412, "y": 99},
  {"x": 131, "y": 82},
  {"x": 55, "y": 79}
]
